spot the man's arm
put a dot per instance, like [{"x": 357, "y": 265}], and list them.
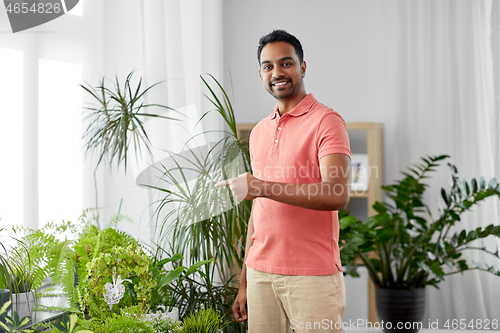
[
  {"x": 332, "y": 193},
  {"x": 239, "y": 306}
]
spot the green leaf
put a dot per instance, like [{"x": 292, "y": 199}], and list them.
[
  {"x": 60, "y": 327},
  {"x": 346, "y": 221},
  {"x": 445, "y": 198},
  {"x": 195, "y": 267},
  {"x": 467, "y": 203},
  {"x": 474, "y": 185},
  {"x": 24, "y": 321},
  {"x": 455, "y": 216},
  {"x": 467, "y": 188},
  {"x": 482, "y": 183},
  {"x": 376, "y": 264},
  {"x": 462, "y": 265},
  {"x": 171, "y": 276},
  {"x": 379, "y": 207},
  {"x": 461, "y": 237},
  {"x": 5, "y": 307},
  {"x": 436, "y": 269},
  {"x": 175, "y": 257}
]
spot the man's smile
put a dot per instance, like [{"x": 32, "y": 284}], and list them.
[{"x": 280, "y": 83}]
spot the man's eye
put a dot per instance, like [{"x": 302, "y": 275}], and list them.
[
  {"x": 286, "y": 64},
  {"x": 266, "y": 68}
]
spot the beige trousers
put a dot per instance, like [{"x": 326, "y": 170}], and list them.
[{"x": 277, "y": 302}]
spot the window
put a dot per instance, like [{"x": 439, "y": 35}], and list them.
[
  {"x": 11, "y": 137},
  {"x": 59, "y": 144}
]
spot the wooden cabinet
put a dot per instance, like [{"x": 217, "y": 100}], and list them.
[
  {"x": 368, "y": 138},
  {"x": 365, "y": 139}
]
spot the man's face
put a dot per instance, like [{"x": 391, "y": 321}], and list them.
[{"x": 281, "y": 71}]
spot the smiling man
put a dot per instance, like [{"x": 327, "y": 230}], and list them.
[{"x": 292, "y": 276}]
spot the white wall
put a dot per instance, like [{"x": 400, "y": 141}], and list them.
[
  {"x": 122, "y": 54},
  {"x": 345, "y": 47}
]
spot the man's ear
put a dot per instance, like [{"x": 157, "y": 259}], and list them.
[
  {"x": 260, "y": 75},
  {"x": 303, "y": 67}
]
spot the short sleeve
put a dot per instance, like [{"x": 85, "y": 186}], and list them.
[{"x": 332, "y": 136}]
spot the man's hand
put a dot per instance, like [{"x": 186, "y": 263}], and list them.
[
  {"x": 239, "y": 307},
  {"x": 244, "y": 187}
]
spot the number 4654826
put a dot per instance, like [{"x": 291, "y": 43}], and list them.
[
  {"x": 40, "y": 8},
  {"x": 473, "y": 324}
]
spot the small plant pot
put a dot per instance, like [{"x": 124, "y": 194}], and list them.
[
  {"x": 23, "y": 303},
  {"x": 174, "y": 314},
  {"x": 401, "y": 310}
]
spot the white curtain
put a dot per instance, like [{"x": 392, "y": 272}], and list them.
[
  {"x": 180, "y": 40},
  {"x": 446, "y": 105}
]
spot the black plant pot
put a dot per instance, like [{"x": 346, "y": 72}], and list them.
[{"x": 400, "y": 310}]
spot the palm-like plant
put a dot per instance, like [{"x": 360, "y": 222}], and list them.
[
  {"x": 208, "y": 223},
  {"x": 412, "y": 248},
  {"x": 118, "y": 120}
]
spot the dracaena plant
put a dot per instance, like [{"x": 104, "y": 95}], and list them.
[
  {"x": 404, "y": 246},
  {"x": 208, "y": 223},
  {"x": 117, "y": 119}
]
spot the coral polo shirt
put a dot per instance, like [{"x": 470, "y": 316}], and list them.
[{"x": 292, "y": 240}]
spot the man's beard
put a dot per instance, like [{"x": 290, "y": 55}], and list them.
[{"x": 283, "y": 94}]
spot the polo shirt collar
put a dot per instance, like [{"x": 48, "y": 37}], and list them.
[{"x": 304, "y": 105}]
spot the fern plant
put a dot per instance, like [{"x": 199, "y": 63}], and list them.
[{"x": 414, "y": 249}]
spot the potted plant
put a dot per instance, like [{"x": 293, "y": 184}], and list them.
[
  {"x": 207, "y": 221},
  {"x": 16, "y": 278},
  {"x": 11, "y": 261},
  {"x": 117, "y": 121},
  {"x": 412, "y": 248},
  {"x": 23, "y": 293}
]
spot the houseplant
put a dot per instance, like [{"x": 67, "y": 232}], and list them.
[
  {"x": 109, "y": 132},
  {"x": 16, "y": 277},
  {"x": 413, "y": 248},
  {"x": 117, "y": 121},
  {"x": 23, "y": 293},
  {"x": 208, "y": 222},
  {"x": 12, "y": 252}
]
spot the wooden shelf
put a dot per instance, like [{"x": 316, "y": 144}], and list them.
[
  {"x": 359, "y": 195},
  {"x": 368, "y": 138}
]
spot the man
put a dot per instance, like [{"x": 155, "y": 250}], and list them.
[{"x": 291, "y": 277}]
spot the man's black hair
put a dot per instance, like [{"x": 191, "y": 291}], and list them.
[{"x": 280, "y": 36}]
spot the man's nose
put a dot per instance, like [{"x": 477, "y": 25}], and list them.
[{"x": 277, "y": 72}]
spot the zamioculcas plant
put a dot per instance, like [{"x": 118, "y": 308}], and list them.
[{"x": 414, "y": 248}]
